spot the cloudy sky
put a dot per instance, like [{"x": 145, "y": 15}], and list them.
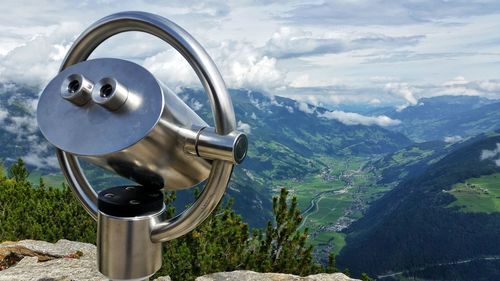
[{"x": 322, "y": 52}]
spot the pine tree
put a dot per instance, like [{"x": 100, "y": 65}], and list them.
[
  {"x": 365, "y": 277},
  {"x": 346, "y": 271},
  {"x": 18, "y": 171},
  {"x": 331, "y": 267},
  {"x": 283, "y": 248},
  {"x": 2, "y": 172}
]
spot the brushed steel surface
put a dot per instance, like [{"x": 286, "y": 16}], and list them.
[
  {"x": 142, "y": 141},
  {"x": 93, "y": 130},
  {"x": 210, "y": 145},
  {"x": 111, "y": 94},
  {"x": 213, "y": 84},
  {"x": 124, "y": 247},
  {"x": 77, "y": 89}
]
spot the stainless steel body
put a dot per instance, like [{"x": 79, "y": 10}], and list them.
[
  {"x": 213, "y": 84},
  {"x": 169, "y": 146},
  {"x": 210, "y": 145},
  {"x": 124, "y": 247},
  {"x": 143, "y": 140}
]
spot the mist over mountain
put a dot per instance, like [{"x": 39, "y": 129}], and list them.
[{"x": 448, "y": 118}]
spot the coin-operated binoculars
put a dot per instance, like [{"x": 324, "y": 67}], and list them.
[{"x": 116, "y": 115}]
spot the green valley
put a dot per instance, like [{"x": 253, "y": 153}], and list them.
[
  {"x": 334, "y": 197},
  {"x": 52, "y": 179},
  {"x": 477, "y": 195},
  {"x": 441, "y": 222}
]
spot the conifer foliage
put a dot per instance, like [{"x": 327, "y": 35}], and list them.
[
  {"x": 40, "y": 212},
  {"x": 222, "y": 243}
]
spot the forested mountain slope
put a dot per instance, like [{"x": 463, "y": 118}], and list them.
[{"x": 422, "y": 224}]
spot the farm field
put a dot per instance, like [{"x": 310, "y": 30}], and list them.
[
  {"x": 332, "y": 199},
  {"x": 478, "y": 195}
]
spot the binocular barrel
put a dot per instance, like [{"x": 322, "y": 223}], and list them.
[{"x": 132, "y": 125}]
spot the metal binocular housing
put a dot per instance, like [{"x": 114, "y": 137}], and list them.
[{"x": 115, "y": 114}]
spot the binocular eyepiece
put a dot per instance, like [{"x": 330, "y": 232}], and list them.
[{"x": 132, "y": 125}]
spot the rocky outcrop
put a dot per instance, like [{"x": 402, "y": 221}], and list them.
[
  {"x": 39, "y": 260},
  {"x": 244, "y": 275},
  {"x": 31, "y": 260}
]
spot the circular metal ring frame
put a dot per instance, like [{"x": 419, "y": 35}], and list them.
[{"x": 213, "y": 84}]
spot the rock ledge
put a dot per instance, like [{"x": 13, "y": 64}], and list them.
[
  {"x": 31, "y": 260},
  {"x": 244, "y": 275}
]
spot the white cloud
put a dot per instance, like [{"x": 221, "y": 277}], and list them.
[
  {"x": 21, "y": 125},
  {"x": 453, "y": 139},
  {"x": 380, "y": 13},
  {"x": 401, "y": 90},
  {"x": 244, "y": 127},
  {"x": 460, "y": 86},
  {"x": 306, "y": 108},
  {"x": 37, "y": 155},
  {"x": 340, "y": 94},
  {"x": 383, "y": 79},
  {"x": 41, "y": 162},
  {"x": 491, "y": 154},
  {"x": 3, "y": 115},
  {"x": 240, "y": 64},
  {"x": 253, "y": 116},
  {"x": 243, "y": 67},
  {"x": 457, "y": 87},
  {"x": 488, "y": 154},
  {"x": 196, "y": 105},
  {"x": 301, "y": 81},
  {"x": 36, "y": 61},
  {"x": 289, "y": 42},
  {"x": 351, "y": 118},
  {"x": 25, "y": 129},
  {"x": 258, "y": 46},
  {"x": 489, "y": 85},
  {"x": 172, "y": 69},
  {"x": 259, "y": 105}
]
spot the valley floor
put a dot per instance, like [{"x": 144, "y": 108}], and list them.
[{"x": 335, "y": 197}]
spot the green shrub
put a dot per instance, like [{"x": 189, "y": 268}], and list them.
[{"x": 222, "y": 243}]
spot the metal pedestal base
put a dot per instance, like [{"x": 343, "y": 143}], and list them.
[{"x": 124, "y": 247}]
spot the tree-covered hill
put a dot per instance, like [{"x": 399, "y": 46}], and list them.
[{"x": 418, "y": 231}]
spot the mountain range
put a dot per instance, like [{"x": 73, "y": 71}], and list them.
[
  {"x": 445, "y": 117},
  {"x": 392, "y": 201}
]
